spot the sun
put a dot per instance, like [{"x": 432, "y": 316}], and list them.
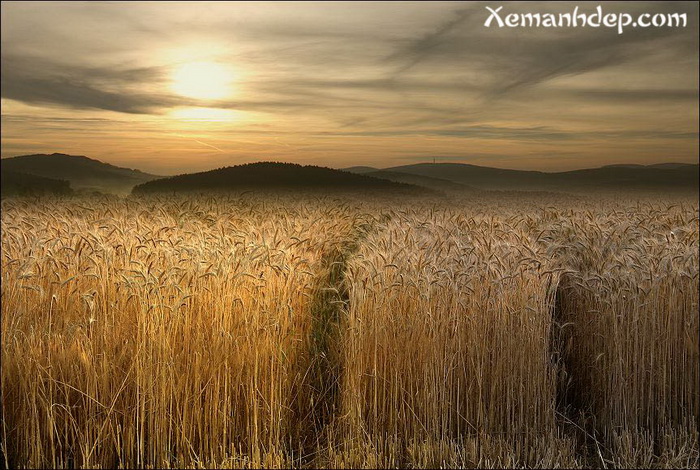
[{"x": 203, "y": 80}]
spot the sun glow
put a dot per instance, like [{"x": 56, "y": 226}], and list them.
[
  {"x": 206, "y": 115},
  {"x": 203, "y": 80}
]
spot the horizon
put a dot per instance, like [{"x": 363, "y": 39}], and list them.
[
  {"x": 347, "y": 167},
  {"x": 208, "y": 85}
]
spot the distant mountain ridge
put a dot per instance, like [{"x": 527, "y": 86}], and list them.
[
  {"x": 80, "y": 171},
  {"x": 83, "y": 173},
  {"x": 275, "y": 176},
  {"x": 671, "y": 176},
  {"x": 668, "y": 166}
]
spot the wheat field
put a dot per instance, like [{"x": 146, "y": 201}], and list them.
[{"x": 275, "y": 331}]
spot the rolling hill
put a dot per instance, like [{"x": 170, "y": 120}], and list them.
[
  {"x": 671, "y": 176},
  {"x": 276, "y": 176},
  {"x": 477, "y": 176},
  {"x": 82, "y": 172},
  {"x": 652, "y": 177}
]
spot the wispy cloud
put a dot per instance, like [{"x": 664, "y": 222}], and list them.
[
  {"x": 419, "y": 49},
  {"x": 33, "y": 80}
]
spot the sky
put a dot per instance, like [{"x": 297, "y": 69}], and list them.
[{"x": 175, "y": 87}]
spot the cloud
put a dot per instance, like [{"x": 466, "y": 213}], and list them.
[
  {"x": 419, "y": 49},
  {"x": 515, "y": 133},
  {"x": 509, "y": 59},
  {"x": 455, "y": 55},
  {"x": 33, "y": 80},
  {"x": 637, "y": 96},
  {"x": 348, "y": 79},
  {"x": 580, "y": 54}
]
